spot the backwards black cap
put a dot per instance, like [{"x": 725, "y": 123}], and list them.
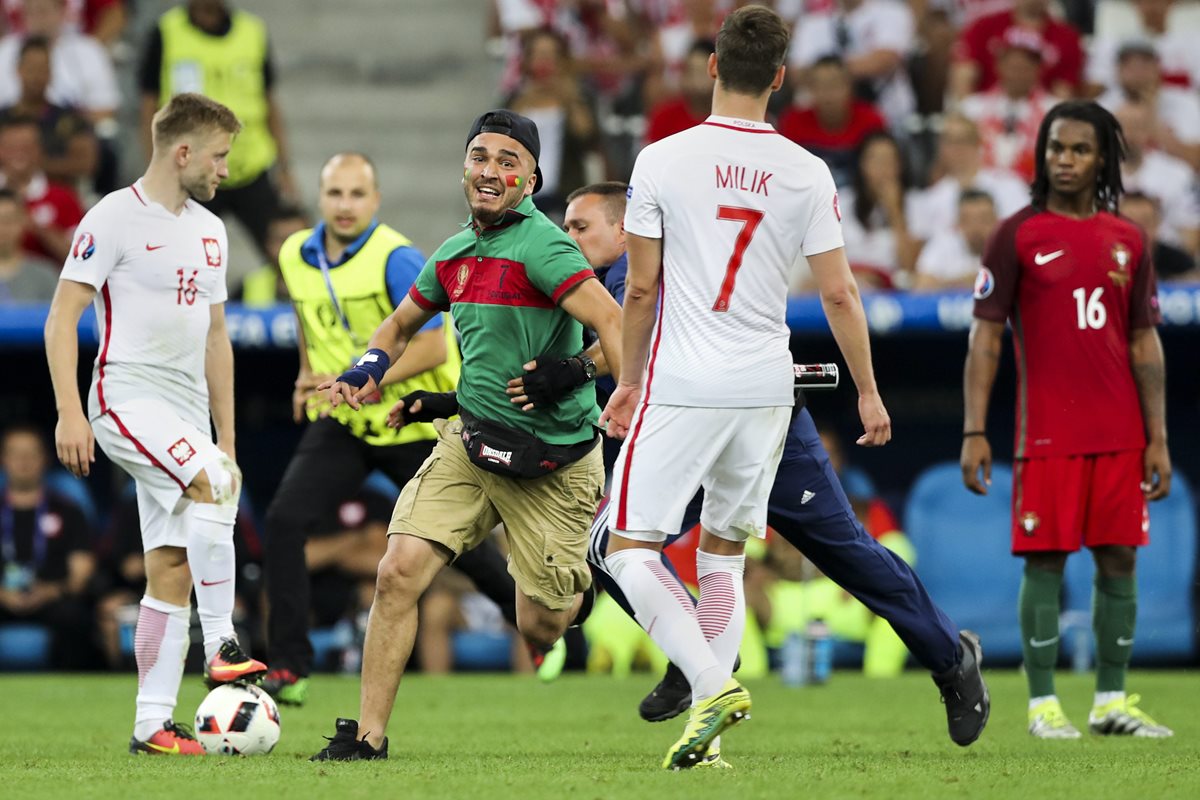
[{"x": 515, "y": 126}]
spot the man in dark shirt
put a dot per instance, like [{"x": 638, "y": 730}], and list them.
[{"x": 45, "y": 552}]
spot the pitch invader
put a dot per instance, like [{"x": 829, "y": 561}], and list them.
[
  {"x": 1078, "y": 283},
  {"x": 153, "y": 261},
  {"x": 709, "y": 402}
]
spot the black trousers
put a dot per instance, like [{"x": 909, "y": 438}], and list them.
[
  {"x": 327, "y": 469},
  {"x": 254, "y": 205}
]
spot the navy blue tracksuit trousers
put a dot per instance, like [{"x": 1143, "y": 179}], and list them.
[{"x": 826, "y": 531}]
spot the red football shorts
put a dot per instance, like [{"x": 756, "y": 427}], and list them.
[{"x": 1065, "y": 502}]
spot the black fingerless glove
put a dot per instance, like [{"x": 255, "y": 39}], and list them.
[
  {"x": 553, "y": 379},
  {"x": 434, "y": 405}
]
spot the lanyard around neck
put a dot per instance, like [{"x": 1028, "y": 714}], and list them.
[{"x": 323, "y": 264}]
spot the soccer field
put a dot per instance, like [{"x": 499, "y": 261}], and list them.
[{"x": 502, "y": 736}]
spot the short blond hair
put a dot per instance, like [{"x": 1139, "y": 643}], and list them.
[{"x": 189, "y": 113}]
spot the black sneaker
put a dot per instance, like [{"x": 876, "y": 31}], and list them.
[
  {"x": 964, "y": 692},
  {"x": 669, "y": 699},
  {"x": 345, "y": 745}
]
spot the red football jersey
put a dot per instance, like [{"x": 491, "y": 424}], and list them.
[
  {"x": 1074, "y": 290},
  {"x": 1062, "y": 54}
]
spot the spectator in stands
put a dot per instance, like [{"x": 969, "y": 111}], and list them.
[
  {"x": 82, "y": 74},
  {"x": 600, "y": 37},
  {"x": 1008, "y": 114},
  {"x": 960, "y": 161},
  {"x": 670, "y": 28},
  {"x": 264, "y": 287},
  {"x": 53, "y": 209},
  {"x": 1175, "y": 111},
  {"x": 1170, "y": 262},
  {"x": 121, "y": 579},
  {"x": 1176, "y": 48},
  {"x": 343, "y": 553},
  {"x": 876, "y": 215},
  {"x": 24, "y": 278},
  {"x": 835, "y": 124},
  {"x": 693, "y": 104},
  {"x": 69, "y": 148},
  {"x": 974, "y": 68},
  {"x": 206, "y": 47},
  {"x": 452, "y": 605},
  {"x": 951, "y": 258},
  {"x": 45, "y": 552},
  {"x": 104, "y": 20},
  {"x": 550, "y": 94},
  {"x": 1161, "y": 176},
  {"x": 874, "y": 39}
]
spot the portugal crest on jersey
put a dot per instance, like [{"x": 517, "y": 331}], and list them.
[
  {"x": 212, "y": 252},
  {"x": 1121, "y": 257},
  {"x": 463, "y": 272}
]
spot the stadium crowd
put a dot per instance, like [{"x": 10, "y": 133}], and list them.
[{"x": 925, "y": 110}]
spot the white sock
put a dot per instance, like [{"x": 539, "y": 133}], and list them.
[
  {"x": 210, "y": 556},
  {"x": 160, "y": 645},
  {"x": 664, "y": 609},
  {"x": 1036, "y": 701},
  {"x": 722, "y": 609},
  {"x": 1104, "y": 698}
]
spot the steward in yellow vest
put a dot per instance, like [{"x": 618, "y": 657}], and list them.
[
  {"x": 372, "y": 277},
  {"x": 222, "y": 53}
]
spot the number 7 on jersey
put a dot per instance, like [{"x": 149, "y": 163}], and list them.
[{"x": 749, "y": 219}]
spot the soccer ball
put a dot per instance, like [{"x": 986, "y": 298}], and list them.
[{"x": 237, "y": 719}]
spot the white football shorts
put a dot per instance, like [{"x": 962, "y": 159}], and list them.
[
  {"x": 163, "y": 454},
  {"x": 671, "y": 451}
]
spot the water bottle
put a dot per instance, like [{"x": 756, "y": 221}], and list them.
[
  {"x": 793, "y": 667},
  {"x": 820, "y": 649}
]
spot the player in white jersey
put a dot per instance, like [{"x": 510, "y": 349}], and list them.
[
  {"x": 152, "y": 259},
  {"x": 717, "y": 216}
]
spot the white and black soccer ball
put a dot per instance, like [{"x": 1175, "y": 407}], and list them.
[{"x": 237, "y": 719}]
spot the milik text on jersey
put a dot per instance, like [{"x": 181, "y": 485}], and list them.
[{"x": 731, "y": 176}]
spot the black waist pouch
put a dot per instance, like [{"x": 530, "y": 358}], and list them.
[{"x": 506, "y": 451}]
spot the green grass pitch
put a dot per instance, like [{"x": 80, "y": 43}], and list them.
[{"x": 496, "y": 736}]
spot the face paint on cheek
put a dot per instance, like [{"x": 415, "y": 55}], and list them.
[{"x": 512, "y": 180}]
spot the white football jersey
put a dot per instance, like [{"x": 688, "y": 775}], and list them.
[
  {"x": 735, "y": 204},
  {"x": 156, "y": 274}
]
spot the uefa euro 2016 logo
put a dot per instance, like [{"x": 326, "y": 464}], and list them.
[{"x": 85, "y": 247}]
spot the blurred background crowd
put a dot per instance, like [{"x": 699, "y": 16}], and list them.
[{"x": 925, "y": 110}]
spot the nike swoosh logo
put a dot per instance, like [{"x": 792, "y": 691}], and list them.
[
  {"x": 172, "y": 750},
  {"x": 1042, "y": 260},
  {"x": 213, "y": 583},
  {"x": 1042, "y": 642},
  {"x": 1123, "y": 642},
  {"x": 161, "y": 246}
]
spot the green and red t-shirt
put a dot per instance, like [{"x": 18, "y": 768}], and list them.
[{"x": 502, "y": 285}]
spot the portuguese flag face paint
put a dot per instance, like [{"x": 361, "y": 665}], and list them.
[{"x": 512, "y": 180}]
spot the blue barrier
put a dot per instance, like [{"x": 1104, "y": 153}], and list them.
[{"x": 887, "y": 313}]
